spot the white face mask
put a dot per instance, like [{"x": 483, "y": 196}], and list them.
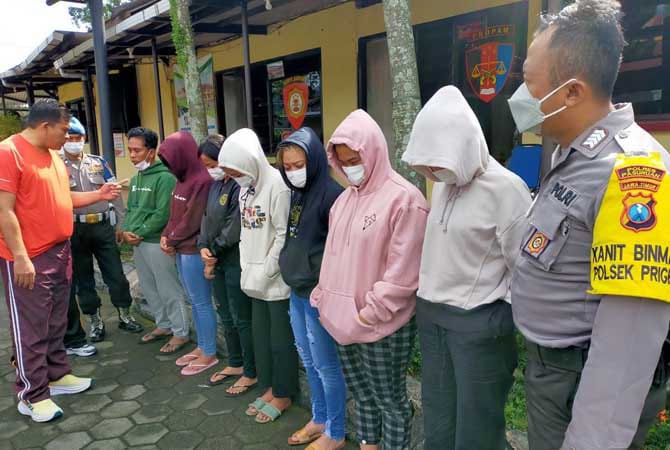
[
  {"x": 527, "y": 111},
  {"x": 244, "y": 181},
  {"x": 216, "y": 173},
  {"x": 73, "y": 148},
  {"x": 143, "y": 165},
  {"x": 446, "y": 176},
  {"x": 355, "y": 174},
  {"x": 298, "y": 178}
]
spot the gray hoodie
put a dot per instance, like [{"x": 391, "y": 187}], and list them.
[{"x": 475, "y": 226}]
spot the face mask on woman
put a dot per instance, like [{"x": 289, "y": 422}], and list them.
[
  {"x": 298, "y": 178},
  {"x": 216, "y": 173},
  {"x": 355, "y": 174},
  {"x": 446, "y": 176},
  {"x": 244, "y": 181}
]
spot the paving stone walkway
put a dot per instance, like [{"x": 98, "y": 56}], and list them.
[{"x": 140, "y": 401}]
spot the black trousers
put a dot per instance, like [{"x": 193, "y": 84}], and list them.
[
  {"x": 274, "y": 347},
  {"x": 89, "y": 240},
  {"x": 75, "y": 336},
  {"x": 469, "y": 359},
  {"x": 234, "y": 308}
]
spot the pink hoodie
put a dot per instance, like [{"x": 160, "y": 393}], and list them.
[{"x": 373, "y": 251}]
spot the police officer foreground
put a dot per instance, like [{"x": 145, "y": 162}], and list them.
[
  {"x": 594, "y": 318},
  {"x": 95, "y": 235}
]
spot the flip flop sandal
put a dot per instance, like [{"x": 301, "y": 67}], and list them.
[
  {"x": 154, "y": 337},
  {"x": 194, "y": 369},
  {"x": 174, "y": 348},
  {"x": 303, "y": 437},
  {"x": 255, "y": 407},
  {"x": 245, "y": 388},
  {"x": 186, "y": 359},
  {"x": 222, "y": 378},
  {"x": 270, "y": 411}
]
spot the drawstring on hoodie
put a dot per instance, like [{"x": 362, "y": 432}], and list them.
[
  {"x": 250, "y": 192},
  {"x": 454, "y": 193}
]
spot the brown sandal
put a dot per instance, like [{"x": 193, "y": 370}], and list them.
[{"x": 303, "y": 437}]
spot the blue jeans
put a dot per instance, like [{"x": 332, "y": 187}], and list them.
[
  {"x": 199, "y": 292},
  {"x": 318, "y": 352}
]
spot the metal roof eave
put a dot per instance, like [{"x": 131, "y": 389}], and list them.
[{"x": 143, "y": 16}]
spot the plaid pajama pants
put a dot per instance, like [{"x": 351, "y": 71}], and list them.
[{"x": 376, "y": 375}]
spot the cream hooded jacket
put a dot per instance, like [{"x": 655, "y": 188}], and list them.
[
  {"x": 264, "y": 207},
  {"x": 475, "y": 226}
]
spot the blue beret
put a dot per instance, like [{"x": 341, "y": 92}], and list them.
[{"x": 76, "y": 127}]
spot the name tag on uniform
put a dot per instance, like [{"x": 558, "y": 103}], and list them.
[{"x": 563, "y": 194}]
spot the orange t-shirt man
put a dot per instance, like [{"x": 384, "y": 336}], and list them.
[{"x": 43, "y": 203}]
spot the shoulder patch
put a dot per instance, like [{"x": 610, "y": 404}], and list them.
[{"x": 594, "y": 139}]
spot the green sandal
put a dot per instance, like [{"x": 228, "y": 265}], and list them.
[
  {"x": 255, "y": 407},
  {"x": 270, "y": 411}
]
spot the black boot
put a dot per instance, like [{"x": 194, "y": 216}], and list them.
[
  {"x": 97, "y": 332},
  {"x": 128, "y": 322}
]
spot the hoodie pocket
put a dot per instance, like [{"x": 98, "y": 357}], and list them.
[
  {"x": 271, "y": 267},
  {"x": 339, "y": 315},
  {"x": 254, "y": 282}
]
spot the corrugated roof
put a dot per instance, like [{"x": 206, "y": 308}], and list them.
[{"x": 213, "y": 22}]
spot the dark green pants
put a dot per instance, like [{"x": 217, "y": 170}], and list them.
[
  {"x": 274, "y": 346},
  {"x": 89, "y": 240},
  {"x": 551, "y": 390},
  {"x": 469, "y": 359},
  {"x": 234, "y": 308}
]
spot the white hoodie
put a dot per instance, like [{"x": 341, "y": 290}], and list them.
[
  {"x": 265, "y": 208},
  {"x": 475, "y": 226}
]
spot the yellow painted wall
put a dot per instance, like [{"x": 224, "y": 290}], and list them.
[
  {"x": 336, "y": 32},
  {"x": 146, "y": 105},
  {"x": 147, "y": 97}
]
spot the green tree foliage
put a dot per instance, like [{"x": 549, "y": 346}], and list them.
[
  {"x": 81, "y": 17},
  {"x": 9, "y": 124}
]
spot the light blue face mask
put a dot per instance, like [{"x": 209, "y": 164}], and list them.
[{"x": 527, "y": 111}]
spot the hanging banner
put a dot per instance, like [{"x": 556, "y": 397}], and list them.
[
  {"x": 206, "y": 70},
  {"x": 296, "y": 97},
  {"x": 489, "y": 59}
]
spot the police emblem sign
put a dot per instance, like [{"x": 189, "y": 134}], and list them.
[
  {"x": 296, "y": 98},
  {"x": 488, "y": 60}
]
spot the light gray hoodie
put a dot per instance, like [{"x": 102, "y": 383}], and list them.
[{"x": 475, "y": 226}]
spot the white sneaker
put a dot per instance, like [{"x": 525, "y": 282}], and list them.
[
  {"x": 84, "y": 351},
  {"x": 43, "y": 411},
  {"x": 70, "y": 384}
]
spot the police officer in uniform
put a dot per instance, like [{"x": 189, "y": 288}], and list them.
[
  {"x": 594, "y": 378},
  {"x": 95, "y": 235}
]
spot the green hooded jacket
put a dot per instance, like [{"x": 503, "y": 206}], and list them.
[{"x": 149, "y": 202}]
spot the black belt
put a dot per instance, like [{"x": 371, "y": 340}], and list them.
[{"x": 568, "y": 358}]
